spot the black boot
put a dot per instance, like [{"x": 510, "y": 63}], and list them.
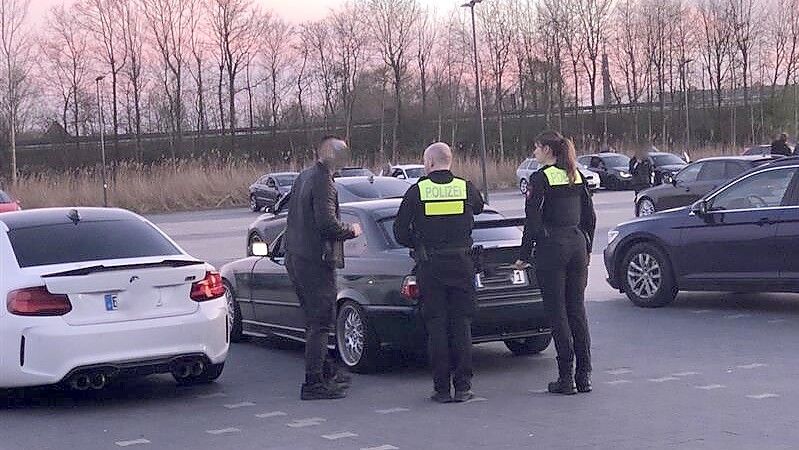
[
  {"x": 316, "y": 388},
  {"x": 336, "y": 376},
  {"x": 565, "y": 384},
  {"x": 583, "y": 381}
]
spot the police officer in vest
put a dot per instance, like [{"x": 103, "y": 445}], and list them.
[
  {"x": 435, "y": 219},
  {"x": 560, "y": 223}
]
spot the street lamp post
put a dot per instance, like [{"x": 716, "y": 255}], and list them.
[
  {"x": 102, "y": 139},
  {"x": 479, "y": 91},
  {"x": 687, "y": 114}
]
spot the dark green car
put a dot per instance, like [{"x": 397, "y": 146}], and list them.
[{"x": 378, "y": 300}]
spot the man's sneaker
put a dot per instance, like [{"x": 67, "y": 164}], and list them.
[
  {"x": 321, "y": 391},
  {"x": 563, "y": 386},
  {"x": 583, "y": 381},
  {"x": 463, "y": 396},
  {"x": 441, "y": 397}
]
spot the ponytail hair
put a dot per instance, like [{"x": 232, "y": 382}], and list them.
[{"x": 563, "y": 150}]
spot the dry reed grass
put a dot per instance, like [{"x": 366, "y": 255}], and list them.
[{"x": 185, "y": 185}]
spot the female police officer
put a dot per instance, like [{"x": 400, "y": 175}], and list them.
[{"x": 560, "y": 223}]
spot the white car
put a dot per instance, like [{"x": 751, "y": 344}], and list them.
[
  {"x": 530, "y": 165},
  {"x": 408, "y": 172},
  {"x": 93, "y": 293}
]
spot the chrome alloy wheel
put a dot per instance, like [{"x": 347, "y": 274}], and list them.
[
  {"x": 644, "y": 275},
  {"x": 351, "y": 336}
]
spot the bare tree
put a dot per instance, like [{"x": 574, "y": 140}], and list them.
[
  {"x": 236, "y": 26},
  {"x": 593, "y": 16},
  {"x": 630, "y": 55},
  {"x": 393, "y": 22},
  {"x": 717, "y": 41},
  {"x": 170, "y": 25},
  {"x": 102, "y": 19},
  {"x": 350, "y": 41},
  {"x": 15, "y": 46},
  {"x": 319, "y": 35},
  {"x": 743, "y": 28},
  {"x": 499, "y": 35},
  {"x": 277, "y": 43},
  {"x": 65, "y": 48},
  {"x": 426, "y": 37},
  {"x": 133, "y": 31}
]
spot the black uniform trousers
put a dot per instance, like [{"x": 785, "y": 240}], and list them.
[
  {"x": 446, "y": 285},
  {"x": 562, "y": 272},
  {"x": 315, "y": 284}
]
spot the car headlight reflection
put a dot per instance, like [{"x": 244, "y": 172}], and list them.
[{"x": 624, "y": 174}]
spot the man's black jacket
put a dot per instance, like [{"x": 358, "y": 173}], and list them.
[{"x": 314, "y": 230}]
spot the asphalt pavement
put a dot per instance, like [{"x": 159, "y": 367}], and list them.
[{"x": 711, "y": 371}]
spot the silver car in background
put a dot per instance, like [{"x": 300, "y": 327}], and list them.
[{"x": 530, "y": 165}]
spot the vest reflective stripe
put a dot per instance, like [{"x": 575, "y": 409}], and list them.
[
  {"x": 443, "y": 208},
  {"x": 559, "y": 177},
  {"x": 443, "y": 199}
]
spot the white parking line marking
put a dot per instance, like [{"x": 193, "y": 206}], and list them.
[
  {"x": 214, "y": 395},
  {"x": 663, "y": 379},
  {"x": 538, "y": 391},
  {"x": 737, "y": 316},
  {"x": 700, "y": 311},
  {"x": 762, "y": 396},
  {"x": 239, "y": 405},
  {"x": 619, "y": 371},
  {"x": 336, "y": 436},
  {"x": 391, "y": 410},
  {"x": 223, "y": 431},
  {"x": 133, "y": 442},
  {"x": 753, "y": 366},
  {"x": 271, "y": 414},
  {"x": 777, "y": 321},
  {"x": 382, "y": 447},
  {"x": 711, "y": 387},
  {"x": 476, "y": 399},
  {"x": 309, "y": 422},
  {"x": 684, "y": 374},
  {"x": 615, "y": 382}
]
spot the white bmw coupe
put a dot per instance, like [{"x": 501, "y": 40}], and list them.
[{"x": 92, "y": 294}]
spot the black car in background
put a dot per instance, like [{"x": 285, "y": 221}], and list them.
[
  {"x": 350, "y": 189},
  {"x": 694, "y": 181},
  {"x": 269, "y": 188},
  {"x": 378, "y": 299},
  {"x": 741, "y": 237},
  {"x": 613, "y": 169},
  {"x": 664, "y": 165}
]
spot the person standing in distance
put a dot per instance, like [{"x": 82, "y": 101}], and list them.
[
  {"x": 641, "y": 169},
  {"x": 435, "y": 219},
  {"x": 314, "y": 250},
  {"x": 560, "y": 222}
]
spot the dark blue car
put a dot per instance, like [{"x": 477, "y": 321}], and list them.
[{"x": 741, "y": 237}]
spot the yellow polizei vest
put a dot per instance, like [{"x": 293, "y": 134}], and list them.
[
  {"x": 559, "y": 177},
  {"x": 447, "y": 199}
]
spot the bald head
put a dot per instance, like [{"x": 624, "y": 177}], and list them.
[
  {"x": 437, "y": 157},
  {"x": 333, "y": 152}
]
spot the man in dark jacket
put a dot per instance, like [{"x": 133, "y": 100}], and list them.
[
  {"x": 314, "y": 249},
  {"x": 435, "y": 219},
  {"x": 780, "y": 146},
  {"x": 641, "y": 169}
]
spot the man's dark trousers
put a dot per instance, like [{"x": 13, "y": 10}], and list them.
[
  {"x": 315, "y": 284},
  {"x": 447, "y": 309}
]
